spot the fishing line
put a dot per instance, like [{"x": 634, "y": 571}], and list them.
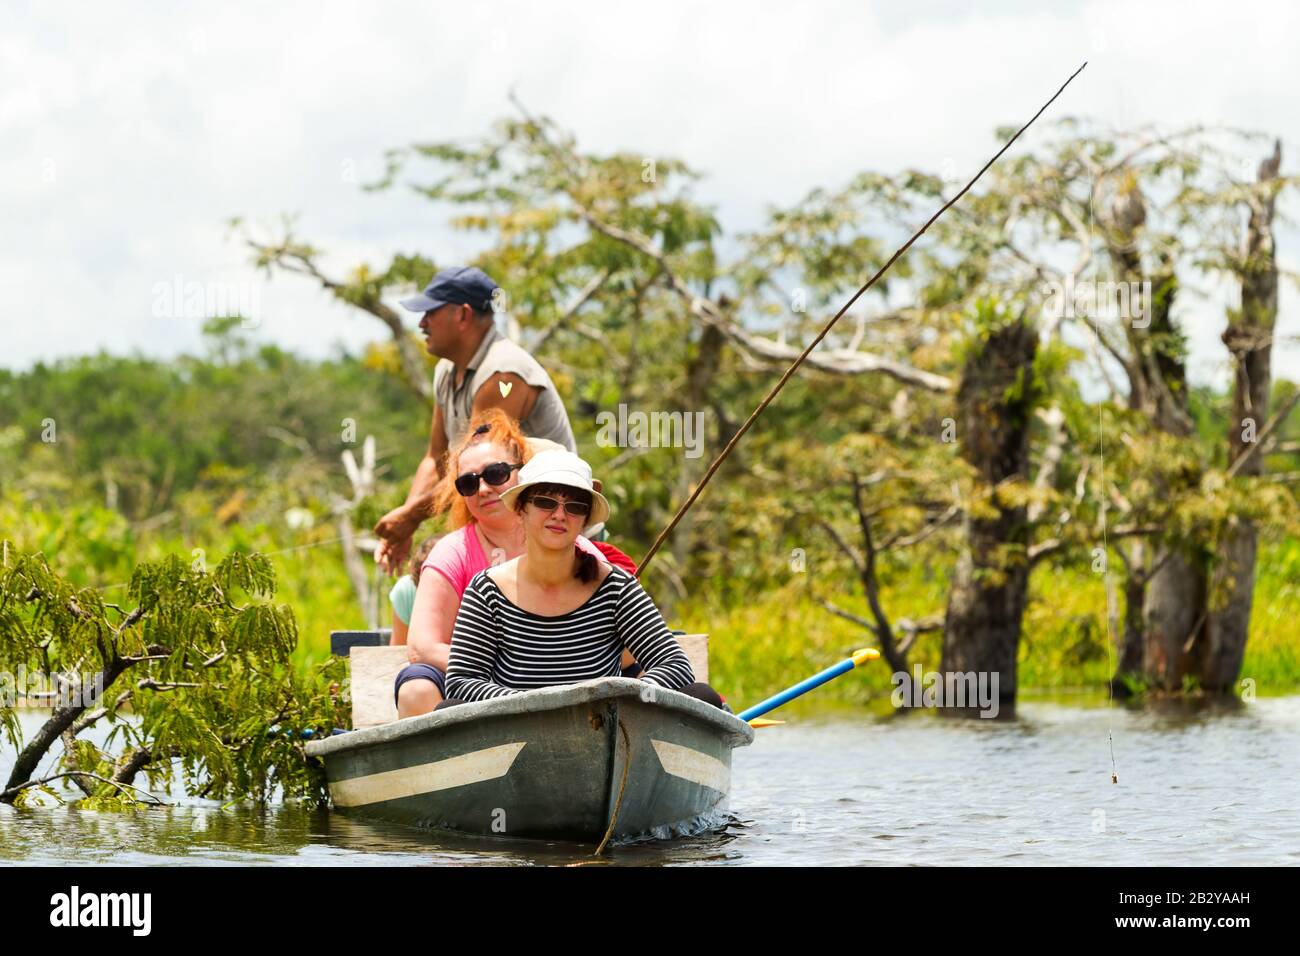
[{"x": 1107, "y": 583}]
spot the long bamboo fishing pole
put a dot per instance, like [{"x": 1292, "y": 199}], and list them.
[{"x": 776, "y": 389}]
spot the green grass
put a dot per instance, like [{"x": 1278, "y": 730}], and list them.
[
  {"x": 1273, "y": 650},
  {"x": 782, "y": 637},
  {"x": 757, "y": 647}
]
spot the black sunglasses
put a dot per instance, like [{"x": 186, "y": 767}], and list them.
[
  {"x": 579, "y": 509},
  {"x": 494, "y": 474}
]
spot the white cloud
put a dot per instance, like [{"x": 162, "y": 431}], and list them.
[{"x": 158, "y": 123}]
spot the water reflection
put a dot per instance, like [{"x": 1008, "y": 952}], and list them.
[{"x": 1198, "y": 784}]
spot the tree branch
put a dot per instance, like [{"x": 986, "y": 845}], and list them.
[
  {"x": 1051, "y": 546},
  {"x": 1054, "y": 418},
  {"x": 300, "y": 260},
  {"x": 1264, "y": 434},
  {"x": 7, "y": 796},
  {"x": 870, "y": 583},
  {"x": 148, "y": 683},
  {"x": 843, "y": 545},
  {"x": 582, "y": 298},
  {"x": 906, "y": 541},
  {"x": 94, "y": 716},
  {"x": 912, "y": 629},
  {"x": 848, "y": 616},
  {"x": 837, "y": 361},
  {"x": 62, "y": 719}
]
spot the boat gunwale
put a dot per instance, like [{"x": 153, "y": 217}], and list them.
[{"x": 738, "y": 732}]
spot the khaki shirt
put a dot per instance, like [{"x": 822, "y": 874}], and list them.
[{"x": 496, "y": 354}]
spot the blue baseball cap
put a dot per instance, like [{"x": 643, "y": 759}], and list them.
[{"x": 462, "y": 285}]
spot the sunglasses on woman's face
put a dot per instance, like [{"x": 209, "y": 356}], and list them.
[
  {"x": 579, "y": 509},
  {"x": 496, "y": 473}
]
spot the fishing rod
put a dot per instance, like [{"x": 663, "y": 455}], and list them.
[
  {"x": 801, "y": 688},
  {"x": 776, "y": 390}
]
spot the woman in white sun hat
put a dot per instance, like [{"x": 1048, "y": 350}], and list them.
[
  {"x": 557, "y": 614},
  {"x": 480, "y": 468}
]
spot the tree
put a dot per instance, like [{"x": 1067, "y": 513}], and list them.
[
  {"x": 1249, "y": 338},
  {"x": 995, "y": 404},
  {"x": 617, "y": 281},
  {"x": 194, "y": 679}
]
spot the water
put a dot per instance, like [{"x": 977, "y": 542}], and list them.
[{"x": 1197, "y": 785}]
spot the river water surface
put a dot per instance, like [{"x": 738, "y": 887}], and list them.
[{"x": 1197, "y": 786}]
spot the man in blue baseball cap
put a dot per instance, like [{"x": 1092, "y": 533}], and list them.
[
  {"x": 459, "y": 285},
  {"x": 480, "y": 368}
]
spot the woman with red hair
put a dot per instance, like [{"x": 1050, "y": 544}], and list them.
[{"x": 484, "y": 533}]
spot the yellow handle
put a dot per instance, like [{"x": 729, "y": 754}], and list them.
[{"x": 860, "y": 657}]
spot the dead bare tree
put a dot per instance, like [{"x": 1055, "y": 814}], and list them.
[
  {"x": 1249, "y": 338},
  {"x": 893, "y": 648},
  {"x": 366, "y": 586}
]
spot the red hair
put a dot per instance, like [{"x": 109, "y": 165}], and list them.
[{"x": 490, "y": 426}]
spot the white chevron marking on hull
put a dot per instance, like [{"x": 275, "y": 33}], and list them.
[
  {"x": 460, "y": 771},
  {"x": 693, "y": 765}
]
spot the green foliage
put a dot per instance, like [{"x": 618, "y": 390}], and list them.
[
  {"x": 226, "y": 416},
  {"x": 205, "y": 455},
  {"x": 193, "y": 676}
]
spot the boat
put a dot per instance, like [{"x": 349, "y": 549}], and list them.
[{"x": 613, "y": 758}]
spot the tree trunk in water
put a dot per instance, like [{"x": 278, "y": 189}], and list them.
[
  {"x": 1173, "y": 597},
  {"x": 1249, "y": 339},
  {"x": 1174, "y": 607},
  {"x": 986, "y": 599},
  {"x": 1133, "y": 640},
  {"x": 1228, "y": 628},
  {"x": 1174, "y": 618}
]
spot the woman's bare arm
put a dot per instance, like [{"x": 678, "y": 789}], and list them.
[
  {"x": 436, "y": 604},
  {"x": 399, "y": 630}
]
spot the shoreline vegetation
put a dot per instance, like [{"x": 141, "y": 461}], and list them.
[
  {"x": 248, "y": 460},
  {"x": 999, "y": 465},
  {"x": 760, "y": 641},
  {"x": 249, "y": 478}
]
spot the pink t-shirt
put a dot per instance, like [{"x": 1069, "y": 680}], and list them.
[{"x": 459, "y": 556}]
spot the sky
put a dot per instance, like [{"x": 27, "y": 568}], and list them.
[{"x": 134, "y": 131}]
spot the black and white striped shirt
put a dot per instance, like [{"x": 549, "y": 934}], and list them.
[{"x": 498, "y": 648}]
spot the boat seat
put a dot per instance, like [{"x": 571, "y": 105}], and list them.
[{"x": 374, "y": 664}]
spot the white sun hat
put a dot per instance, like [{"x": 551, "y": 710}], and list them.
[
  {"x": 559, "y": 466},
  {"x": 536, "y": 445}
]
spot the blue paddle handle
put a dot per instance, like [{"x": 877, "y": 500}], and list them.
[{"x": 790, "y": 693}]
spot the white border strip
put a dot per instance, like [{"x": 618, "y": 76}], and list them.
[
  {"x": 460, "y": 771},
  {"x": 693, "y": 765}
]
